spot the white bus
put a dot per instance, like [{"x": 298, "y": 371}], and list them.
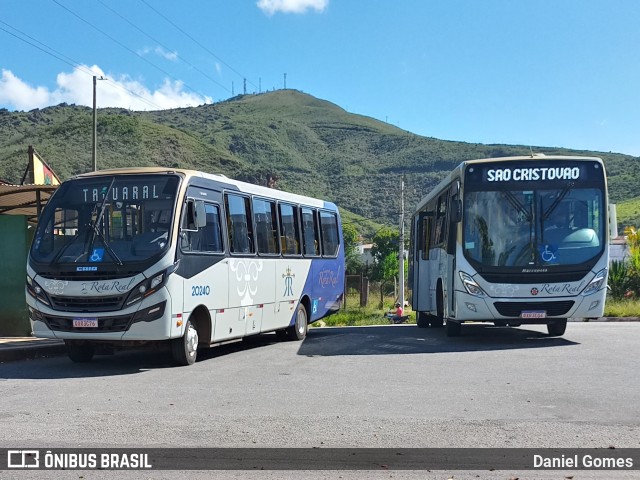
[
  {"x": 512, "y": 241},
  {"x": 130, "y": 256}
]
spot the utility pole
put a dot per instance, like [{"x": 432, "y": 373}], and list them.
[
  {"x": 401, "y": 250},
  {"x": 245, "y": 86},
  {"x": 94, "y": 150},
  {"x": 95, "y": 127},
  {"x": 285, "y": 81}
]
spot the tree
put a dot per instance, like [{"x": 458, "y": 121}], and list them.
[
  {"x": 352, "y": 258},
  {"x": 385, "y": 254},
  {"x": 385, "y": 242}
]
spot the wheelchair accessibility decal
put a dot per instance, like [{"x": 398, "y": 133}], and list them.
[
  {"x": 549, "y": 253},
  {"x": 97, "y": 255}
]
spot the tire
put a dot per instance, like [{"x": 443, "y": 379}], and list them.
[
  {"x": 454, "y": 329},
  {"x": 298, "y": 330},
  {"x": 422, "y": 319},
  {"x": 556, "y": 328},
  {"x": 438, "y": 320},
  {"x": 80, "y": 352},
  {"x": 185, "y": 349}
]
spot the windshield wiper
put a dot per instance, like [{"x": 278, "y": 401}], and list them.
[
  {"x": 96, "y": 229},
  {"x": 555, "y": 203},
  {"x": 515, "y": 203}
]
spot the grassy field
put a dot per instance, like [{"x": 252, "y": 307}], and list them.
[
  {"x": 354, "y": 315},
  {"x": 622, "y": 308}
]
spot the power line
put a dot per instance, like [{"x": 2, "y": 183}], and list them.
[
  {"x": 57, "y": 55},
  {"x": 197, "y": 42},
  {"x": 68, "y": 60},
  {"x": 163, "y": 46},
  {"x": 127, "y": 48}
]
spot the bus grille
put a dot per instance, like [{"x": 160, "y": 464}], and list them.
[
  {"x": 514, "y": 309},
  {"x": 105, "y": 324},
  {"x": 87, "y": 304}
]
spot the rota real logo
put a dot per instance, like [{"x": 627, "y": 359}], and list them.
[{"x": 288, "y": 282}]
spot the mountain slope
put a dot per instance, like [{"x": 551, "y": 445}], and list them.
[{"x": 308, "y": 145}]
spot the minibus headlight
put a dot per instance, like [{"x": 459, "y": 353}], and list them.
[
  {"x": 150, "y": 285},
  {"x": 36, "y": 291},
  {"x": 471, "y": 286},
  {"x": 596, "y": 283},
  {"x": 157, "y": 280}
]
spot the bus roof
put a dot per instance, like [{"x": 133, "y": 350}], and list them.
[{"x": 222, "y": 179}]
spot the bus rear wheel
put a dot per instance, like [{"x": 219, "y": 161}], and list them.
[
  {"x": 80, "y": 352},
  {"x": 557, "y": 328},
  {"x": 185, "y": 349},
  {"x": 298, "y": 330}
]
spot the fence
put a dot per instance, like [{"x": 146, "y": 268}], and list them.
[{"x": 360, "y": 287}]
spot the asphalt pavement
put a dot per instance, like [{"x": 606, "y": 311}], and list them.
[{"x": 25, "y": 348}]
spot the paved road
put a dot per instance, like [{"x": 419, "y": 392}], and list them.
[{"x": 390, "y": 386}]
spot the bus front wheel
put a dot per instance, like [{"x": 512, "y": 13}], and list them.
[
  {"x": 80, "y": 352},
  {"x": 557, "y": 328},
  {"x": 453, "y": 328},
  {"x": 185, "y": 349},
  {"x": 438, "y": 319}
]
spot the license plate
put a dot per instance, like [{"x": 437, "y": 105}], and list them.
[
  {"x": 85, "y": 323},
  {"x": 534, "y": 314}
]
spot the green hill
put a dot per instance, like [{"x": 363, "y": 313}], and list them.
[{"x": 308, "y": 145}]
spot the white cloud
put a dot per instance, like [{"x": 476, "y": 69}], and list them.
[
  {"x": 20, "y": 95},
  {"x": 77, "y": 88},
  {"x": 171, "y": 56},
  {"x": 161, "y": 52},
  {"x": 291, "y": 6}
]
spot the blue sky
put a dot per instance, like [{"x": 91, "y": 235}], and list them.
[{"x": 555, "y": 73}]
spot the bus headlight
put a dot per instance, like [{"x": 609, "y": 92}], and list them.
[
  {"x": 596, "y": 283},
  {"x": 36, "y": 291},
  {"x": 471, "y": 286},
  {"x": 150, "y": 285}
]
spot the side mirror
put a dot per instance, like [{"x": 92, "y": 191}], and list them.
[
  {"x": 201, "y": 215},
  {"x": 195, "y": 216}
]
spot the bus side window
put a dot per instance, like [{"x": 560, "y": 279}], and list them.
[
  {"x": 441, "y": 223},
  {"x": 455, "y": 216},
  {"x": 207, "y": 238},
  {"x": 310, "y": 232},
  {"x": 264, "y": 215},
  {"x": 240, "y": 224},
  {"x": 329, "y": 230},
  {"x": 289, "y": 229},
  {"x": 426, "y": 220}
]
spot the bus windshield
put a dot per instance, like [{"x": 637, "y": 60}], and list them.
[
  {"x": 110, "y": 219},
  {"x": 522, "y": 228}
]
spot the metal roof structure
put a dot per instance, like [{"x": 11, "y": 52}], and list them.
[{"x": 25, "y": 200}]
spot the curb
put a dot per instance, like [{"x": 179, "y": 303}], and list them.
[
  {"x": 613, "y": 319},
  {"x": 32, "y": 350}
]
